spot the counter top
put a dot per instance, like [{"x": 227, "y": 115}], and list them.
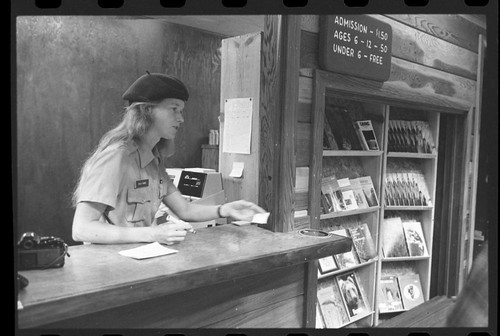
[{"x": 96, "y": 277}]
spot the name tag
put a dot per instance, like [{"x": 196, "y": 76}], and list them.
[{"x": 141, "y": 183}]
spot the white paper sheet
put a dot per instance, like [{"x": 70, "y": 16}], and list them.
[
  {"x": 237, "y": 125},
  {"x": 260, "y": 218},
  {"x": 147, "y": 251},
  {"x": 237, "y": 170}
]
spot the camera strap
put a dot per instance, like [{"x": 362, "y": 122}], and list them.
[{"x": 56, "y": 260}]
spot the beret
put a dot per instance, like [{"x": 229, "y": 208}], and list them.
[{"x": 154, "y": 87}]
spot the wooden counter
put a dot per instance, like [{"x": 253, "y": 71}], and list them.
[{"x": 226, "y": 276}]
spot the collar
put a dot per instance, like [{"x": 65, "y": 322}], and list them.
[{"x": 145, "y": 154}]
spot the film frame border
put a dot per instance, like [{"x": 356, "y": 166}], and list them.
[{"x": 253, "y": 7}]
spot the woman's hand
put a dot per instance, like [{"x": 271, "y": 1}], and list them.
[
  {"x": 170, "y": 233},
  {"x": 240, "y": 210}
]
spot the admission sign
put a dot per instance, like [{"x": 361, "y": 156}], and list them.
[{"x": 356, "y": 45}]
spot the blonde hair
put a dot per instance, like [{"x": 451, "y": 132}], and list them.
[{"x": 136, "y": 121}]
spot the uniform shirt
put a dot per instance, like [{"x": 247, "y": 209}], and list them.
[{"x": 131, "y": 181}]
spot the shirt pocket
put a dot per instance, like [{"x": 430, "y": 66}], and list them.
[{"x": 138, "y": 204}]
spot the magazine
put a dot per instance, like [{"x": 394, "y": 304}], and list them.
[
  {"x": 363, "y": 242},
  {"x": 415, "y": 240},
  {"x": 353, "y": 296},
  {"x": 348, "y": 196},
  {"x": 390, "y": 296},
  {"x": 327, "y": 265},
  {"x": 411, "y": 290},
  {"x": 393, "y": 238},
  {"x": 346, "y": 259},
  {"x": 368, "y": 190},
  {"x": 331, "y": 305},
  {"x": 359, "y": 195},
  {"x": 366, "y": 134}
]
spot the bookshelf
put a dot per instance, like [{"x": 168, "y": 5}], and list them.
[
  {"x": 339, "y": 158},
  {"x": 403, "y": 162}
]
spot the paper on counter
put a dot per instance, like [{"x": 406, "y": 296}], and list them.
[
  {"x": 147, "y": 251},
  {"x": 237, "y": 170},
  {"x": 241, "y": 223},
  {"x": 260, "y": 218}
]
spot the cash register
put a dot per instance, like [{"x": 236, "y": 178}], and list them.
[{"x": 201, "y": 186}]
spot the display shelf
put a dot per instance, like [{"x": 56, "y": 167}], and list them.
[
  {"x": 351, "y": 153},
  {"x": 408, "y": 208},
  {"x": 347, "y": 269},
  {"x": 419, "y": 169},
  {"x": 349, "y": 212},
  {"x": 411, "y": 155},
  {"x": 404, "y": 259}
]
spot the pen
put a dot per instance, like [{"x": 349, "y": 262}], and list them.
[{"x": 179, "y": 221}]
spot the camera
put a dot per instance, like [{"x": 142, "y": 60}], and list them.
[{"x": 37, "y": 252}]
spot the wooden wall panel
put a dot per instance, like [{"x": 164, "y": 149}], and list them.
[
  {"x": 286, "y": 314},
  {"x": 271, "y": 299},
  {"x": 408, "y": 83},
  {"x": 71, "y": 74},
  {"x": 269, "y": 118},
  {"x": 240, "y": 78},
  {"x": 303, "y": 144},
  {"x": 282, "y": 214},
  {"x": 409, "y": 44},
  {"x": 452, "y": 28}
]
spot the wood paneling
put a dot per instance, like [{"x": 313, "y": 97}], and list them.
[
  {"x": 290, "y": 58},
  {"x": 409, "y": 83},
  {"x": 407, "y": 43},
  {"x": 240, "y": 78},
  {"x": 233, "y": 25},
  {"x": 452, "y": 28},
  {"x": 303, "y": 143},
  {"x": 270, "y": 135},
  {"x": 71, "y": 74},
  {"x": 286, "y": 314},
  {"x": 271, "y": 299}
]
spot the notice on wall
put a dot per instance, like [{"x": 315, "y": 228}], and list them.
[
  {"x": 357, "y": 45},
  {"x": 237, "y": 125}
]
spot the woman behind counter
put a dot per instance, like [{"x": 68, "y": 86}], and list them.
[{"x": 124, "y": 181}]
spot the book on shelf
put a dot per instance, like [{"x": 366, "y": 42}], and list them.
[
  {"x": 369, "y": 190},
  {"x": 366, "y": 134},
  {"x": 341, "y": 124},
  {"x": 393, "y": 238},
  {"x": 348, "y": 197},
  {"x": 411, "y": 136},
  {"x": 421, "y": 186},
  {"x": 406, "y": 189},
  {"x": 359, "y": 195},
  {"x": 349, "y": 258},
  {"x": 415, "y": 240},
  {"x": 353, "y": 295},
  {"x": 426, "y": 144},
  {"x": 411, "y": 290},
  {"x": 329, "y": 141},
  {"x": 331, "y": 305},
  {"x": 390, "y": 296},
  {"x": 331, "y": 196},
  {"x": 327, "y": 265},
  {"x": 363, "y": 242}
]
